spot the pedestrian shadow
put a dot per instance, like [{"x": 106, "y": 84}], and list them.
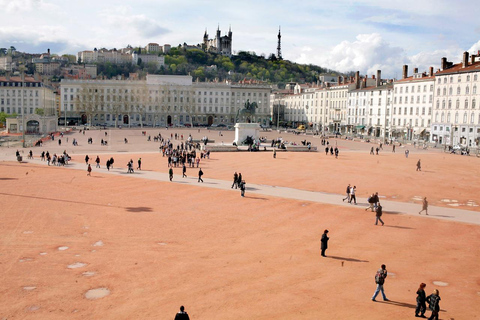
[
  {"x": 440, "y": 215},
  {"x": 347, "y": 259},
  {"x": 391, "y": 212},
  {"x": 139, "y": 209},
  {"x": 398, "y": 227},
  {"x": 251, "y": 189},
  {"x": 8, "y": 178},
  {"x": 400, "y": 304},
  {"x": 97, "y": 177},
  {"x": 256, "y": 198}
]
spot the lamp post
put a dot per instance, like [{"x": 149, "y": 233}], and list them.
[{"x": 23, "y": 110}]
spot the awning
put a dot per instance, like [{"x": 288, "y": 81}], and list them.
[
  {"x": 360, "y": 127},
  {"x": 418, "y": 131}
]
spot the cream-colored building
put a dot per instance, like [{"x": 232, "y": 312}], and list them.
[
  {"x": 153, "y": 48},
  {"x": 456, "y": 114},
  {"x": 412, "y": 105},
  {"x": 6, "y": 63},
  {"x": 160, "y": 101},
  {"x": 35, "y": 96}
]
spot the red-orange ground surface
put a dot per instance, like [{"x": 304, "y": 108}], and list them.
[{"x": 227, "y": 257}]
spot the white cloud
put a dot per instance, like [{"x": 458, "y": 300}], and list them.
[{"x": 367, "y": 54}]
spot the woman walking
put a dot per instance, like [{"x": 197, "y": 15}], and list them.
[
  {"x": 434, "y": 304},
  {"x": 421, "y": 299}
]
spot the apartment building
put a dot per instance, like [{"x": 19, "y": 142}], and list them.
[
  {"x": 456, "y": 114},
  {"x": 160, "y": 101},
  {"x": 22, "y": 95},
  {"x": 412, "y": 105}
]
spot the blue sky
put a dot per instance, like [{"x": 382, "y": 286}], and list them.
[{"x": 341, "y": 35}]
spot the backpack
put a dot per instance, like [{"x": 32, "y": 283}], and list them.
[
  {"x": 369, "y": 200},
  {"x": 379, "y": 277}
]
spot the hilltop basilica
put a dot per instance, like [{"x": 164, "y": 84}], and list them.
[{"x": 220, "y": 45}]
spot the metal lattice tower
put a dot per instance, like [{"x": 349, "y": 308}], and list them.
[{"x": 279, "y": 46}]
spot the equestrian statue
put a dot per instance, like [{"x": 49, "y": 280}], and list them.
[{"x": 247, "y": 112}]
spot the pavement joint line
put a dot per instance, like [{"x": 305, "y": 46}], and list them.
[{"x": 390, "y": 207}]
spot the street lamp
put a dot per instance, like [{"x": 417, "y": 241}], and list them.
[{"x": 23, "y": 110}]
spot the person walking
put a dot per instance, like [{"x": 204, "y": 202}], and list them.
[
  {"x": 89, "y": 170},
  {"x": 97, "y": 161},
  {"x": 239, "y": 179},
  {"x": 324, "y": 242},
  {"x": 274, "y": 154},
  {"x": 200, "y": 174},
  {"x": 170, "y": 173},
  {"x": 139, "y": 164},
  {"x": 380, "y": 280},
  {"x": 184, "y": 171},
  {"x": 407, "y": 152},
  {"x": 235, "y": 180},
  {"x": 182, "y": 315},
  {"x": 393, "y": 148},
  {"x": 378, "y": 214},
  {"x": 424, "y": 206},
  {"x": 371, "y": 202},
  {"x": 86, "y": 159},
  {"x": 242, "y": 188},
  {"x": 419, "y": 165},
  {"x": 348, "y": 194},
  {"x": 352, "y": 195},
  {"x": 434, "y": 304},
  {"x": 421, "y": 299}
]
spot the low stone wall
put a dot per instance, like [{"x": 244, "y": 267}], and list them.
[
  {"x": 300, "y": 148},
  {"x": 221, "y": 148}
]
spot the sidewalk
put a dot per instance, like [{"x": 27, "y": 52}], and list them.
[{"x": 389, "y": 207}]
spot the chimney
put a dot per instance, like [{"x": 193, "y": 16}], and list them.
[
  {"x": 431, "y": 71},
  {"x": 472, "y": 58},
  {"x": 465, "y": 59},
  {"x": 373, "y": 76},
  {"x": 48, "y": 51},
  {"x": 443, "y": 64},
  {"x": 338, "y": 80},
  {"x": 415, "y": 70},
  {"x": 379, "y": 75},
  {"x": 357, "y": 79},
  {"x": 405, "y": 71}
]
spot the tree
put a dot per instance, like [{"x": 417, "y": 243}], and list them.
[
  {"x": 3, "y": 51},
  {"x": 40, "y": 111}
]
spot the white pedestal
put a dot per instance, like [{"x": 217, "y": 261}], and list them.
[{"x": 243, "y": 130}]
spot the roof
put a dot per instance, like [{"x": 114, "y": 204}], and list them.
[
  {"x": 412, "y": 79},
  {"x": 458, "y": 68},
  {"x": 18, "y": 79}
]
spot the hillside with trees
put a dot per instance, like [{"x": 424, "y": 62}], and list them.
[{"x": 210, "y": 66}]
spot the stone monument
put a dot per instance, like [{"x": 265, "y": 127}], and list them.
[{"x": 246, "y": 128}]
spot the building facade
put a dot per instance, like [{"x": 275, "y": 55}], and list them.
[
  {"x": 160, "y": 101},
  {"x": 35, "y": 108}
]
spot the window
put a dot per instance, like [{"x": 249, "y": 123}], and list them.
[
  {"x": 449, "y": 104},
  {"x": 457, "y": 104},
  {"x": 473, "y": 104},
  {"x": 467, "y": 90},
  {"x": 468, "y": 78},
  {"x": 464, "y": 117},
  {"x": 466, "y": 103},
  {"x": 474, "y": 89},
  {"x": 458, "y": 90},
  {"x": 444, "y": 91},
  {"x": 450, "y": 91}
]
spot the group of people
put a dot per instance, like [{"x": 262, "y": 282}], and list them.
[
  {"x": 351, "y": 194},
  {"x": 238, "y": 182},
  {"x": 332, "y": 151}
]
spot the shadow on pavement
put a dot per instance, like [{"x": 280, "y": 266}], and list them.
[
  {"x": 138, "y": 209},
  {"x": 400, "y": 304},
  {"x": 398, "y": 227},
  {"x": 347, "y": 259}
]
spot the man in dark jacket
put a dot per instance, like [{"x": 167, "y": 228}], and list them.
[
  {"x": 380, "y": 280},
  {"x": 182, "y": 315},
  {"x": 324, "y": 242}
]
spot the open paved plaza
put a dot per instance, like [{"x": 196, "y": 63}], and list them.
[{"x": 115, "y": 245}]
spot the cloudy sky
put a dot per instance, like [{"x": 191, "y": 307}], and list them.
[{"x": 365, "y": 35}]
